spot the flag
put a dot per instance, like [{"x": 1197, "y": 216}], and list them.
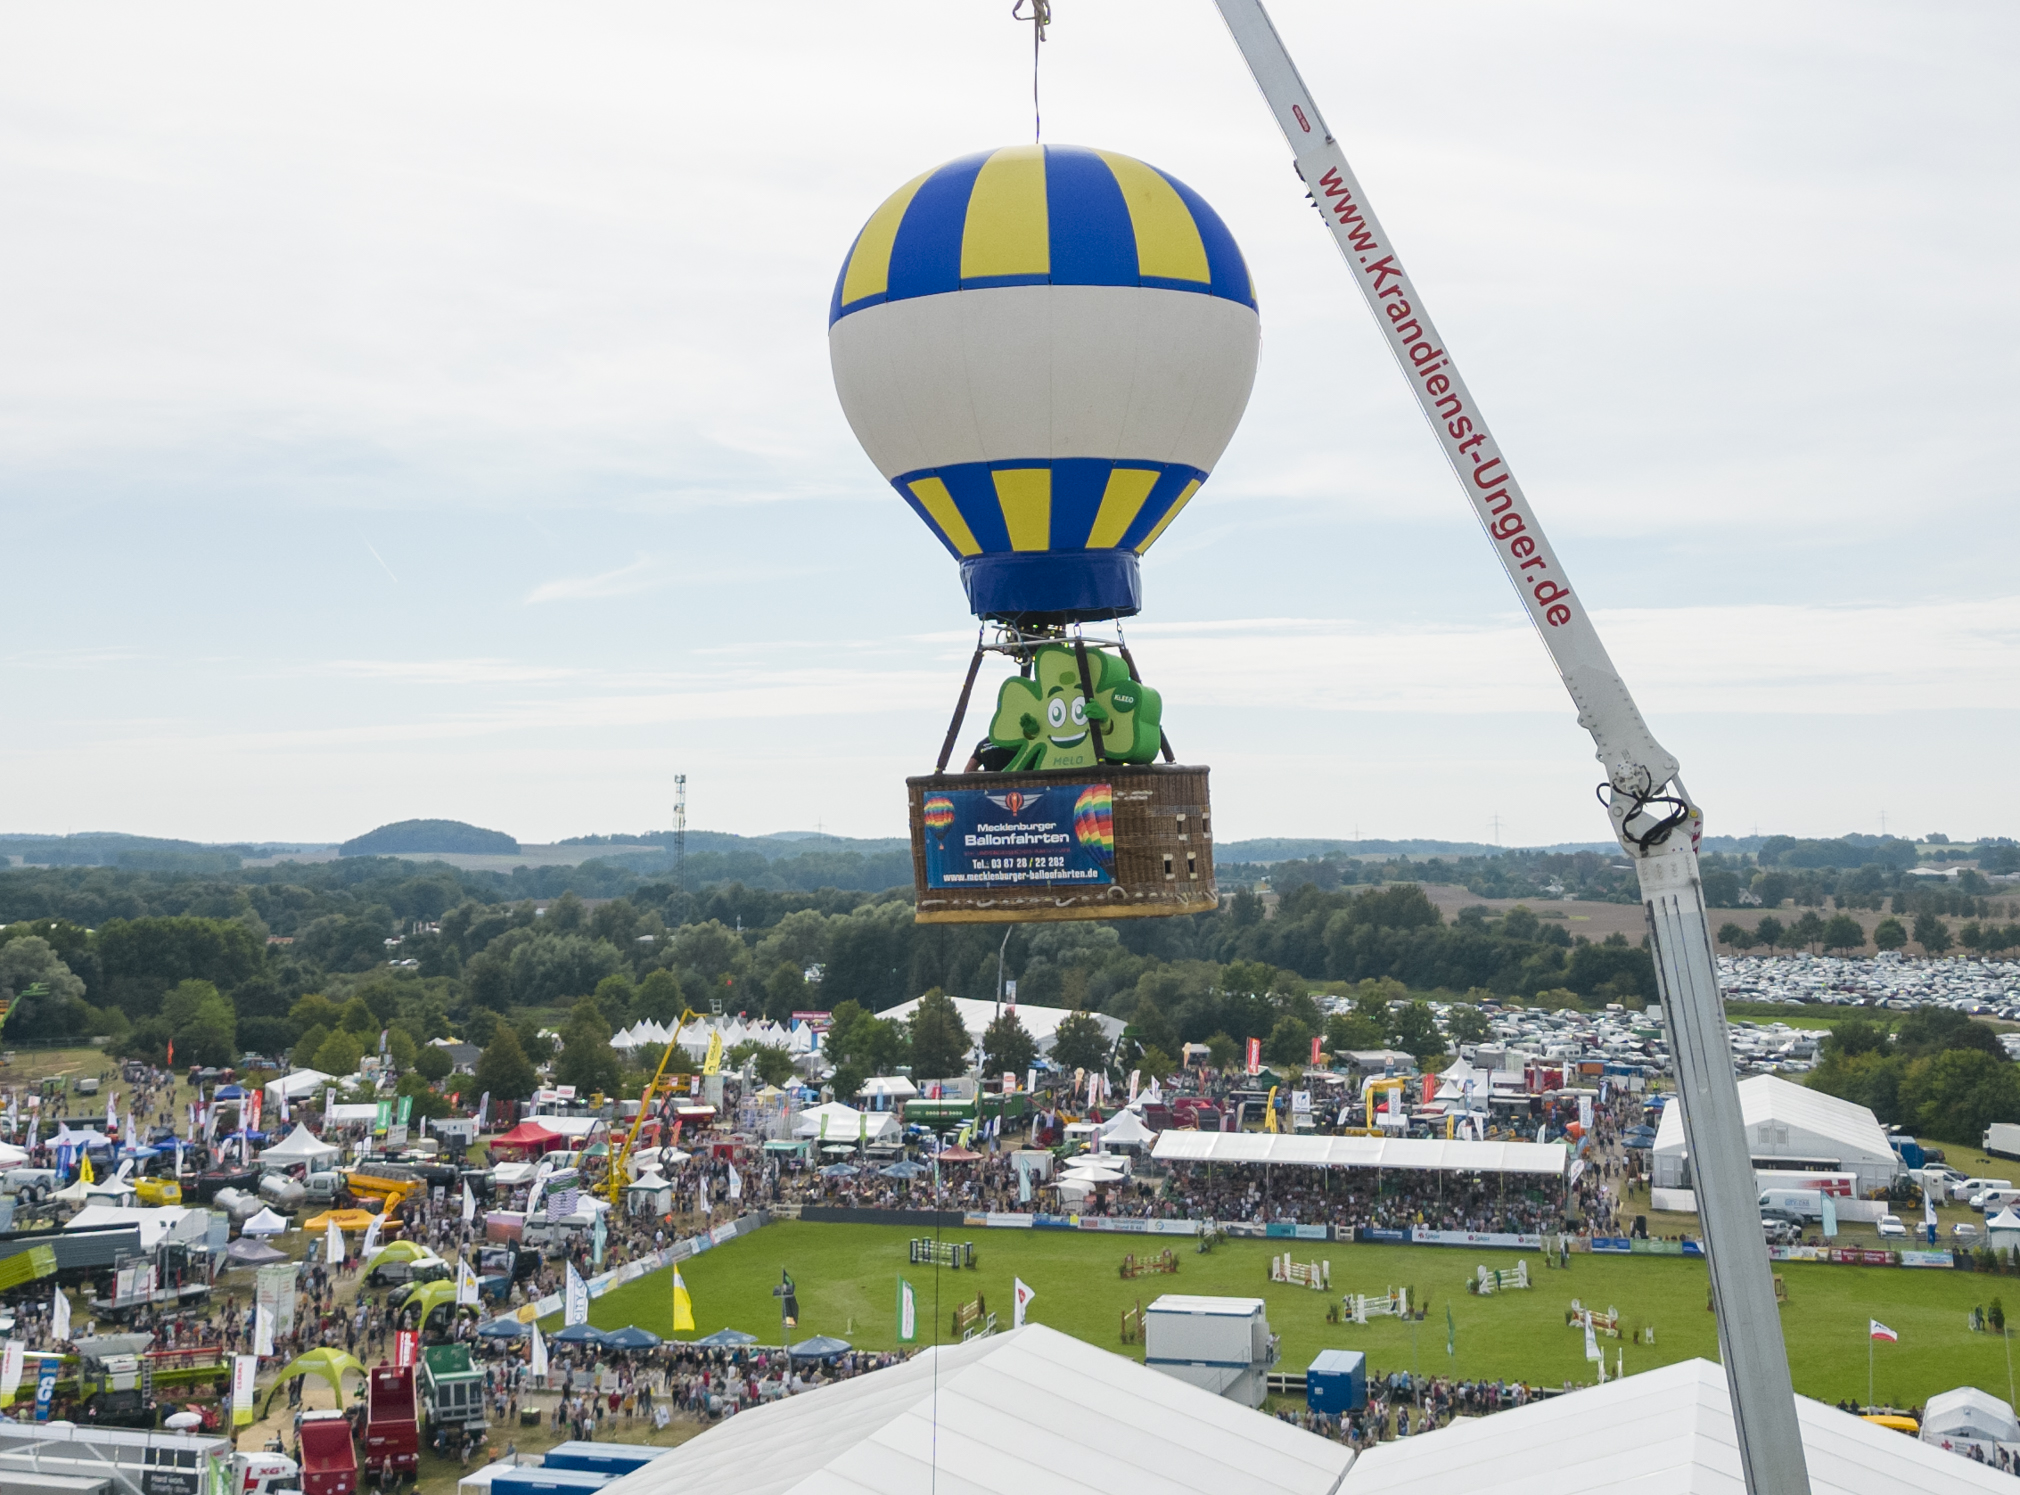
[
  {"x": 263, "y": 1329},
  {"x": 735, "y": 1183},
  {"x": 789, "y": 1300},
  {"x": 11, "y": 1367},
  {"x": 466, "y": 1285},
  {"x": 1877, "y": 1330},
  {"x": 469, "y": 1203},
  {"x": 483, "y": 1105},
  {"x": 171, "y": 1053},
  {"x": 244, "y": 1372},
  {"x": 908, "y": 1313},
  {"x": 1592, "y": 1350},
  {"x": 372, "y": 1236},
  {"x": 683, "y": 1305},
  {"x": 406, "y": 1346},
  {"x": 284, "y": 1104},
  {"x": 333, "y": 1242},
  {"x": 1020, "y": 1299},
  {"x": 575, "y": 1298},
  {"x": 1451, "y": 1333},
  {"x": 538, "y": 1365},
  {"x": 1255, "y": 1056},
  {"x": 59, "y": 1317},
  {"x": 84, "y": 1173}
]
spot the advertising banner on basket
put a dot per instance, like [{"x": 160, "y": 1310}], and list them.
[{"x": 997, "y": 838}]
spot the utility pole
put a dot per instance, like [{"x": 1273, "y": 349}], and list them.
[{"x": 680, "y": 830}]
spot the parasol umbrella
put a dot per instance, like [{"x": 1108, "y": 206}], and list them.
[
  {"x": 958, "y": 1155},
  {"x": 183, "y": 1422},
  {"x": 504, "y": 1329},
  {"x": 576, "y": 1334},
  {"x": 726, "y": 1339},
  {"x": 903, "y": 1168},
  {"x": 839, "y": 1170},
  {"x": 820, "y": 1347},
  {"x": 631, "y": 1337}
]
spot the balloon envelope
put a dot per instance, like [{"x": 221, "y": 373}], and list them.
[{"x": 1045, "y": 349}]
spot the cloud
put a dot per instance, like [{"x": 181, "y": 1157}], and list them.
[{"x": 639, "y": 576}]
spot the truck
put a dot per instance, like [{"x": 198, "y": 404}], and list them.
[
  {"x": 452, "y": 1395},
  {"x": 392, "y": 1428},
  {"x": 1222, "y": 1345},
  {"x": 2002, "y": 1140},
  {"x": 1792, "y": 1204},
  {"x": 329, "y": 1461}
]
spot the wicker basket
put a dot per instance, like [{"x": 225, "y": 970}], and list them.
[{"x": 1162, "y": 859}]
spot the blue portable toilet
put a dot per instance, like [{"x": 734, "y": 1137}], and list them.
[
  {"x": 529, "y": 1479},
  {"x": 601, "y": 1458},
  {"x": 1337, "y": 1382}
]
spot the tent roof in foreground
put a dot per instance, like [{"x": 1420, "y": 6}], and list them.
[
  {"x": 1029, "y": 1411},
  {"x": 1664, "y": 1431}
]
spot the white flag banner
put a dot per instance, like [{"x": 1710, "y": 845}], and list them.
[
  {"x": 1592, "y": 1350},
  {"x": 469, "y": 1203},
  {"x": 10, "y": 1367},
  {"x": 538, "y": 1366},
  {"x": 333, "y": 1244},
  {"x": 371, "y": 1243},
  {"x": 735, "y": 1184},
  {"x": 244, "y": 1373},
  {"x": 1020, "y": 1299},
  {"x": 59, "y": 1317},
  {"x": 576, "y": 1299},
  {"x": 466, "y": 1284}
]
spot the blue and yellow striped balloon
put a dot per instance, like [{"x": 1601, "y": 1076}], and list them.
[{"x": 1045, "y": 349}]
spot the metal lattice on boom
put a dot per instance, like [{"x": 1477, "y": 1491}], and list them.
[{"x": 1652, "y": 814}]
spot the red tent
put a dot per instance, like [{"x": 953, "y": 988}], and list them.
[{"x": 530, "y": 1136}]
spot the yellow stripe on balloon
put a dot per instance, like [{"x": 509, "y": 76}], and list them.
[
  {"x": 1170, "y": 514},
  {"x": 1007, "y": 230},
  {"x": 1121, "y": 502},
  {"x": 869, "y": 272},
  {"x": 1168, "y": 245},
  {"x": 1025, "y": 496},
  {"x": 938, "y": 502}
]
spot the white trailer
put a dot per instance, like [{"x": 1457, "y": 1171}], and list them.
[
  {"x": 1222, "y": 1345},
  {"x": 2002, "y": 1139}
]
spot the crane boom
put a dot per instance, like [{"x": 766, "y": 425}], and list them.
[{"x": 1652, "y": 814}]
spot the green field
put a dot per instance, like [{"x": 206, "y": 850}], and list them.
[{"x": 847, "y": 1277}]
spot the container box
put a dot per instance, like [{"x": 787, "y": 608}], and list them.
[
  {"x": 1222, "y": 1345},
  {"x": 1337, "y": 1382}
]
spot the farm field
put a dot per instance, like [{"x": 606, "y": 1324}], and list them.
[{"x": 847, "y": 1278}]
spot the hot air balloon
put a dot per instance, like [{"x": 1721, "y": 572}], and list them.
[{"x": 1044, "y": 349}]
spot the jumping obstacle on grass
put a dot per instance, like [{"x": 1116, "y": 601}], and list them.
[
  {"x": 1361, "y": 1308},
  {"x": 1580, "y": 1317},
  {"x": 974, "y": 1320},
  {"x": 1210, "y": 1235},
  {"x": 927, "y": 1252},
  {"x": 1316, "y": 1275},
  {"x": 1132, "y": 1323},
  {"x": 1164, "y": 1261},
  {"x": 1507, "y": 1279}
]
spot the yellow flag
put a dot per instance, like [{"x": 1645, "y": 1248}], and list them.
[
  {"x": 711, "y": 1064},
  {"x": 1270, "y": 1111},
  {"x": 84, "y": 1172},
  {"x": 683, "y": 1306}
]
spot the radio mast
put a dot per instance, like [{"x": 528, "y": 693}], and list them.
[{"x": 680, "y": 830}]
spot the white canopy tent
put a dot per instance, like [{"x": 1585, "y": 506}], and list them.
[
  {"x": 1659, "y": 1432},
  {"x": 1042, "y": 1023},
  {"x": 300, "y": 1148},
  {"x": 1968, "y": 1416},
  {"x": 892, "y": 1087},
  {"x": 266, "y": 1222},
  {"x": 1032, "y": 1410},
  {"x": 293, "y": 1086},
  {"x": 2002, "y": 1231},
  {"x": 1401, "y": 1153},
  {"x": 1126, "y": 1130},
  {"x": 840, "y": 1123}
]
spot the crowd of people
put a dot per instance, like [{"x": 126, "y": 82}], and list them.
[{"x": 1401, "y": 1405}]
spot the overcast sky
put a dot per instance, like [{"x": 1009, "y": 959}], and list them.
[{"x": 425, "y": 411}]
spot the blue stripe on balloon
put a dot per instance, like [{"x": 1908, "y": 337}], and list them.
[
  {"x": 1163, "y": 283},
  {"x": 1077, "y": 486},
  {"x": 926, "y": 254},
  {"x": 835, "y": 301},
  {"x": 1223, "y": 257},
  {"x": 974, "y": 493},
  {"x": 1093, "y": 243},
  {"x": 1163, "y": 494}
]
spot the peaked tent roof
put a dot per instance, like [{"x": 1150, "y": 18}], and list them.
[
  {"x": 1031, "y": 1410},
  {"x": 1663, "y": 1432},
  {"x": 1968, "y": 1412},
  {"x": 1771, "y": 1098},
  {"x": 300, "y": 1145}
]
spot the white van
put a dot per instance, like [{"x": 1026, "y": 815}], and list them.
[
  {"x": 1991, "y": 1201},
  {"x": 1965, "y": 1188},
  {"x": 1806, "y": 1204}
]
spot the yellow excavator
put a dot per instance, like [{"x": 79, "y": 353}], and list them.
[{"x": 614, "y": 1183}]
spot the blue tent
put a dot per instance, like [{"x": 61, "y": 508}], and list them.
[
  {"x": 726, "y": 1339},
  {"x": 503, "y": 1329},
  {"x": 576, "y": 1334},
  {"x": 903, "y": 1168},
  {"x": 820, "y": 1347},
  {"x": 630, "y": 1337}
]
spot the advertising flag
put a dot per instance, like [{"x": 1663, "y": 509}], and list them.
[
  {"x": 1255, "y": 1056},
  {"x": 10, "y": 1369},
  {"x": 372, "y": 1236},
  {"x": 683, "y": 1305},
  {"x": 466, "y": 1285},
  {"x": 1451, "y": 1333},
  {"x": 333, "y": 1243},
  {"x": 908, "y": 1313},
  {"x": 263, "y": 1329},
  {"x": 735, "y": 1183},
  {"x": 1315, "y": 1051},
  {"x": 45, "y": 1385},
  {"x": 59, "y": 1318},
  {"x": 538, "y": 1366},
  {"x": 469, "y": 1203},
  {"x": 575, "y": 1298},
  {"x": 406, "y": 1346},
  {"x": 1020, "y": 1299},
  {"x": 244, "y": 1371}
]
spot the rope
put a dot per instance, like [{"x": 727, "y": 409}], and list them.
[{"x": 1040, "y": 18}]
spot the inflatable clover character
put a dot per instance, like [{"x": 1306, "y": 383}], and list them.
[{"x": 1045, "y": 717}]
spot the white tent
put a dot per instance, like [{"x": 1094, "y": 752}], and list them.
[
  {"x": 1126, "y": 1130},
  {"x": 171, "y": 1222},
  {"x": 1968, "y": 1417},
  {"x": 1660, "y": 1432},
  {"x": 1417, "y": 1154},
  {"x": 293, "y": 1086},
  {"x": 896, "y": 1087},
  {"x": 1042, "y": 1023},
  {"x": 2002, "y": 1231},
  {"x": 300, "y": 1147},
  {"x": 845, "y": 1123},
  {"x": 1789, "y": 1122},
  {"x": 266, "y": 1222},
  {"x": 1032, "y": 1410}
]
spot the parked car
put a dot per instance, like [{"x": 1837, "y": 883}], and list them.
[
  {"x": 421, "y": 1269},
  {"x": 1963, "y": 1232},
  {"x": 1965, "y": 1188},
  {"x": 1891, "y": 1226},
  {"x": 1780, "y": 1232}
]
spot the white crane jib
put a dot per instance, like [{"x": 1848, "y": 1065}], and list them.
[{"x": 1651, "y": 812}]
